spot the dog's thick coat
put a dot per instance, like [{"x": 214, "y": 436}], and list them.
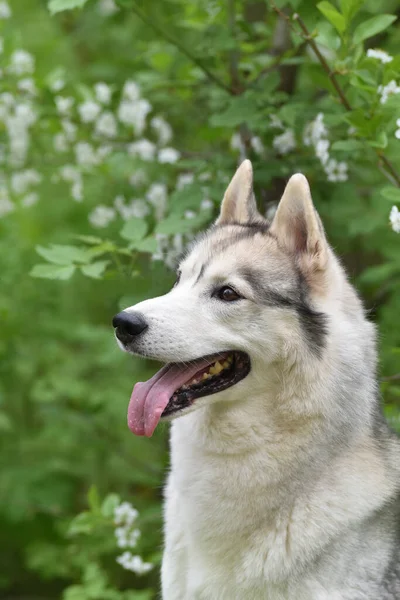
[{"x": 284, "y": 486}]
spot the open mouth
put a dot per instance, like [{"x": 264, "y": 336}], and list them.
[{"x": 177, "y": 385}]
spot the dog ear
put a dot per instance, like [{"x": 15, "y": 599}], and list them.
[
  {"x": 239, "y": 204},
  {"x": 297, "y": 225}
]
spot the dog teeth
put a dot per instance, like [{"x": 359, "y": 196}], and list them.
[{"x": 205, "y": 376}]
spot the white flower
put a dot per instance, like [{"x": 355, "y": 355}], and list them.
[
  {"x": 125, "y": 514},
  {"x": 285, "y": 142},
  {"x": 27, "y": 85},
  {"x": 206, "y": 204},
  {"x": 163, "y": 130},
  {"x": 168, "y": 155},
  {"x": 60, "y": 142},
  {"x": 5, "y": 10},
  {"x": 7, "y": 99},
  {"x": 322, "y": 150},
  {"x": 397, "y": 132},
  {"x": 257, "y": 145},
  {"x": 157, "y": 196},
  {"x": 134, "y": 112},
  {"x": 106, "y": 125},
  {"x": 206, "y": 176},
  {"x": 143, "y": 148},
  {"x": 21, "y": 62},
  {"x": 85, "y": 154},
  {"x": 101, "y": 216},
  {"x": 103, "y": 92},
  {"x": 64, "y": 104},
  {"x": 236, "y": 143},
  {"x": 388, "y": 90},
  {"x": 336, "y": 171},
  {"x": 138, "y": 178},
  {"x": 25, "y": 113},
  {"x": 121, "y": 533},
  {"x": 77, "y": 191},
  {"x": 104, "y": 151},
  {"x": 184, "y": 180},
  {"x": 131, "y": 90},
  {"x": 314, "y": 131},
  {"x": 107, "y": 7},
  {"x": 30, "y": 199},
  {"x": 275, "y": 122},
  {"x": 57, "y": 85},
  {"x": 70, "y": 130},
  {"x": 134, "y": 563},
  {"x": 22, "y": 180},
  {"x": 174, "y": 251},
  {"x": 70, "y": 173},
  {"x": 6, "y": 206},
  {"x": 189, "y": 214},
  {"x": 381, "y": 55},
  {"x": 89, "y": 111},
  {"x": 137, "y": 208},
  {"x": 394, "y": 218}
]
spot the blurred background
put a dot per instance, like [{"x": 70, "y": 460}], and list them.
[{"x": 121, "y": 124}]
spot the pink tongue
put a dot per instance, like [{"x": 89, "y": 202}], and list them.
[{"x": 150, "y": 398}]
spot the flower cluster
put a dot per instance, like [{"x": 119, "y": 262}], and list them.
[
  {"x": 394, "y": 218},
  {"x": 134, "y": 563},
  {"x": 125, "y": 517},
  {"x": 388, "y": 90},
  {"x": 316, "y": 135},
  {"x": 285, "y": 142},
  {"x": 237, "y": 143},
  {"x": 381, "y": 55}
]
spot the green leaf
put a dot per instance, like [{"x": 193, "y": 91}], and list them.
[
  {"x": 348, "y": 145},
  {"x": 134, "y": 229},
  {"x": 350, "y": 8},
  {"x": 372, "y": 27},
  {"x": 391, "y": 193},
  {"x": 82, "y": 523},
  {"x": 379, "y": 274},
  {"x": 93, "y": 498},
  {"x": 333, "y": 15},
  {"x": 52, "y": 271},
  {"x": 63, "y": 255},
  {"x": 380, "y": 142},
  {"x": 109, "y": 505},
  {"x": 149, "y": 244},
  {"x": 95, "y": 269},
  {"x": 56, "y": 6}
]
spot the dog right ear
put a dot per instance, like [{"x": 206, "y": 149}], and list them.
[{"x": 239, "y": 204}]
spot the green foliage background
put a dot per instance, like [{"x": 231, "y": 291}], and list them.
[{"x": 211, "y": 68}]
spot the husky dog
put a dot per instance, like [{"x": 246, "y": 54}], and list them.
[{"x": 284, "y": 477}]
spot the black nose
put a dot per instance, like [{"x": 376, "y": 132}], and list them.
[{"x": 128, "y": 325}]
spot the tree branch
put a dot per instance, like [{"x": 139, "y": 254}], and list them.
[
  {"x": 389, "y": 169},
  {"x": 169, "y": 38}
]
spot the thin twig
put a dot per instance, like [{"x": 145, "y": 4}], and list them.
[
  {"x": 161, "y": 31},
  {"x": 391, "y": 377},
  {"x": 389, "y": 169}
]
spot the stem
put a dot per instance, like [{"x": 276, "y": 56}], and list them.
[
  {"x": 388, "y": 169},
  {"x": 391, "y": 377},
  {"x": 169, "y": 38}
]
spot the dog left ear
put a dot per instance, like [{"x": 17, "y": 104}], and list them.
[
  {"x": 297, "y": 225},
  {"x": 239, "y": 203}
]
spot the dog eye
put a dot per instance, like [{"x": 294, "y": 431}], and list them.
[{"x": 228, "y": 294}]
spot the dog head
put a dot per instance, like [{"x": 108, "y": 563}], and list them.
[{"x": 249, "y": 294}]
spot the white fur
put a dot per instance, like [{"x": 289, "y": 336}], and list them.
[{"x": 275, "y": 481}]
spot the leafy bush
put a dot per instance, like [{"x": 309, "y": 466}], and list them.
[{"x": 120, "y": 126}]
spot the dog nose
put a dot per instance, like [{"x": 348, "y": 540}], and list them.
[{"x": 128, "y": 325}]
